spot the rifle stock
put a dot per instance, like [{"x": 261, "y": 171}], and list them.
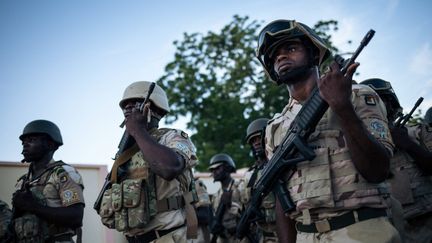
[{"x": 284, "y": 158}]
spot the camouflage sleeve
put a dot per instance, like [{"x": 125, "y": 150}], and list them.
[
  {"x": 180, "y": 142},
  {"x": 371, "y": 110},
  {"x": 5, "y": 218},
  {"x": 422, "y": 134},
  {"x": 70, "y": 185},
  {"x": 426, "y": 137}
]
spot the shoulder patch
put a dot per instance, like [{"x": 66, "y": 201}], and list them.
[
  {"x": 370, "y": 100},
  {"x": 63, "y": 178},
  {"x": 183, "y": 134},
  {"x": 379, "y": 128}
]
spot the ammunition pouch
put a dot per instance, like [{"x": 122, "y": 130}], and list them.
[
  {"x": 106, "y": 211},
  {"x": 133, "y": 204},
  {"x": 30, "y": 229}
]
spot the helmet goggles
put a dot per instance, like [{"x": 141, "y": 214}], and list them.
[{"x": 273, "y": 33}]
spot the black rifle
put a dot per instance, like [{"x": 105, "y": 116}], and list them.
[
  {"x": 402, "y": 120},
  {"x": 126, "y": 142},
  {"x": 292, "y": 150},
  {"x": 216, "y": 225}
]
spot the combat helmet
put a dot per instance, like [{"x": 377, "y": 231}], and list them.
[
  {"x": 222, "y": 158},
  {"x": 278, "y": 32},
  {"x": 43, "y": 127},
  {"x": 428, "y": 117},
  {"x": 383, "y": 87},
  {"x": 255, "y": 128},
  {"x": 138, "y": 90}
]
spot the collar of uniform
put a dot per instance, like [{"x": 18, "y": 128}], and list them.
[{"x": 290, "y": 106}]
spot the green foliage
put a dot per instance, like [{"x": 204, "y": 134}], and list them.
[
  {"x": 216, "y": 80},
  {"x": 416, "y": 118}
]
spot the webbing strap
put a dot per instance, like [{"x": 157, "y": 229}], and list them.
[
  {"x": 121, "y": 159},
  {"x": 171, "y": 203}
]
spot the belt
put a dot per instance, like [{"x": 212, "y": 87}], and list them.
[
  {"x": 341, "y": 221},
  {"x": 151, "y": 235}
]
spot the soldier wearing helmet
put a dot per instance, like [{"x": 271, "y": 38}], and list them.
[
  {"x": 226, "y": 202},
  {"x": 156, "y": 167},
  {"x": 411, "y": 170},
  {"x": 48, "y": 203},
  {"x": 265, "y": 228},
  {"x": 353, "y": 135},
  {"x": 428, "y": 117}
]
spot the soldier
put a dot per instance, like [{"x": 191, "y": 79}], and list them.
[
  {"x": 152, "y": 183},
  {"x": 5, "y": 218},
  {"x": 428, "y": 117},
  {"x": 204, "y": 213},
  {"x": 48, "y": 203},
  {"x": 410, "y": 166},
  {"x": 266, "y": 226},
  {"x": 339, "y": 195},
  {"x": 226, "y": 202}
]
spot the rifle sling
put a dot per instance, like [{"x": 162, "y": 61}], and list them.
[{"x": 122, "y": 159}]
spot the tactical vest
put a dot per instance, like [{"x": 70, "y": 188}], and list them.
[
  {"x": 5, "y": 218},
  {"x": 411, "y": 187},
  {"x": 330, "y": 182},
  {"x": 29, "y": 227},
  {"x": 132, "y": 202}
]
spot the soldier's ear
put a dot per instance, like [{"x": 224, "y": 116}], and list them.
[{"x": 52, "y": 146}]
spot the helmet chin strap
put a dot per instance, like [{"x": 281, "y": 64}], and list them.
[{"x": 154, "y": 121}]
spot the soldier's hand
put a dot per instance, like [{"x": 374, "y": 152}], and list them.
[
  {"x": 23, "y": 200},
  {"x": 400, "y": 137},
  {"x": 335, "y": 88},
  {"x": 136, "y": 121}
]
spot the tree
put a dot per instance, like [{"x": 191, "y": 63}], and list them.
[{"x": 216, "y": 80}]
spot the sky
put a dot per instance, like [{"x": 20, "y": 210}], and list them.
[{"x": 70, "y": 61}]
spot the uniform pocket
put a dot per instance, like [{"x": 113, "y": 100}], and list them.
[
  {"x": 135, "y": 201},
  {"x": 106, "y": 211},
  {"x": 120, "y": 213}
]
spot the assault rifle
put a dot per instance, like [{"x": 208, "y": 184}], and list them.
[
  {"x": 402, "y": 120},
  {"x": 216, "y": 224},
  {"x": 126, "y": 142},
  {"x": 292, "y": 150}
]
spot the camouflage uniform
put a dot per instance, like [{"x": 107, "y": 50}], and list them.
[
  {"x": 266, "y": 230},
  {"x": 5, "y": 218},
  {"x": 329, "y": 186},
  {"x": 413, "y": 188},
  {"x": 231, "y": 215},
  {"x": 203, "y": 205},
  {"x": 143, "y": 203},
  {"x": 59, "y": 186}
]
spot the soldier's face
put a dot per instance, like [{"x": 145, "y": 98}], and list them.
[
  {"x": 130, "y": 104},
  {"x": 218, "y": 173},
  {"x": 289, "y": 56},
  {"x": 35, "y": 147},
  {"x": 255, "y": 143}
]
